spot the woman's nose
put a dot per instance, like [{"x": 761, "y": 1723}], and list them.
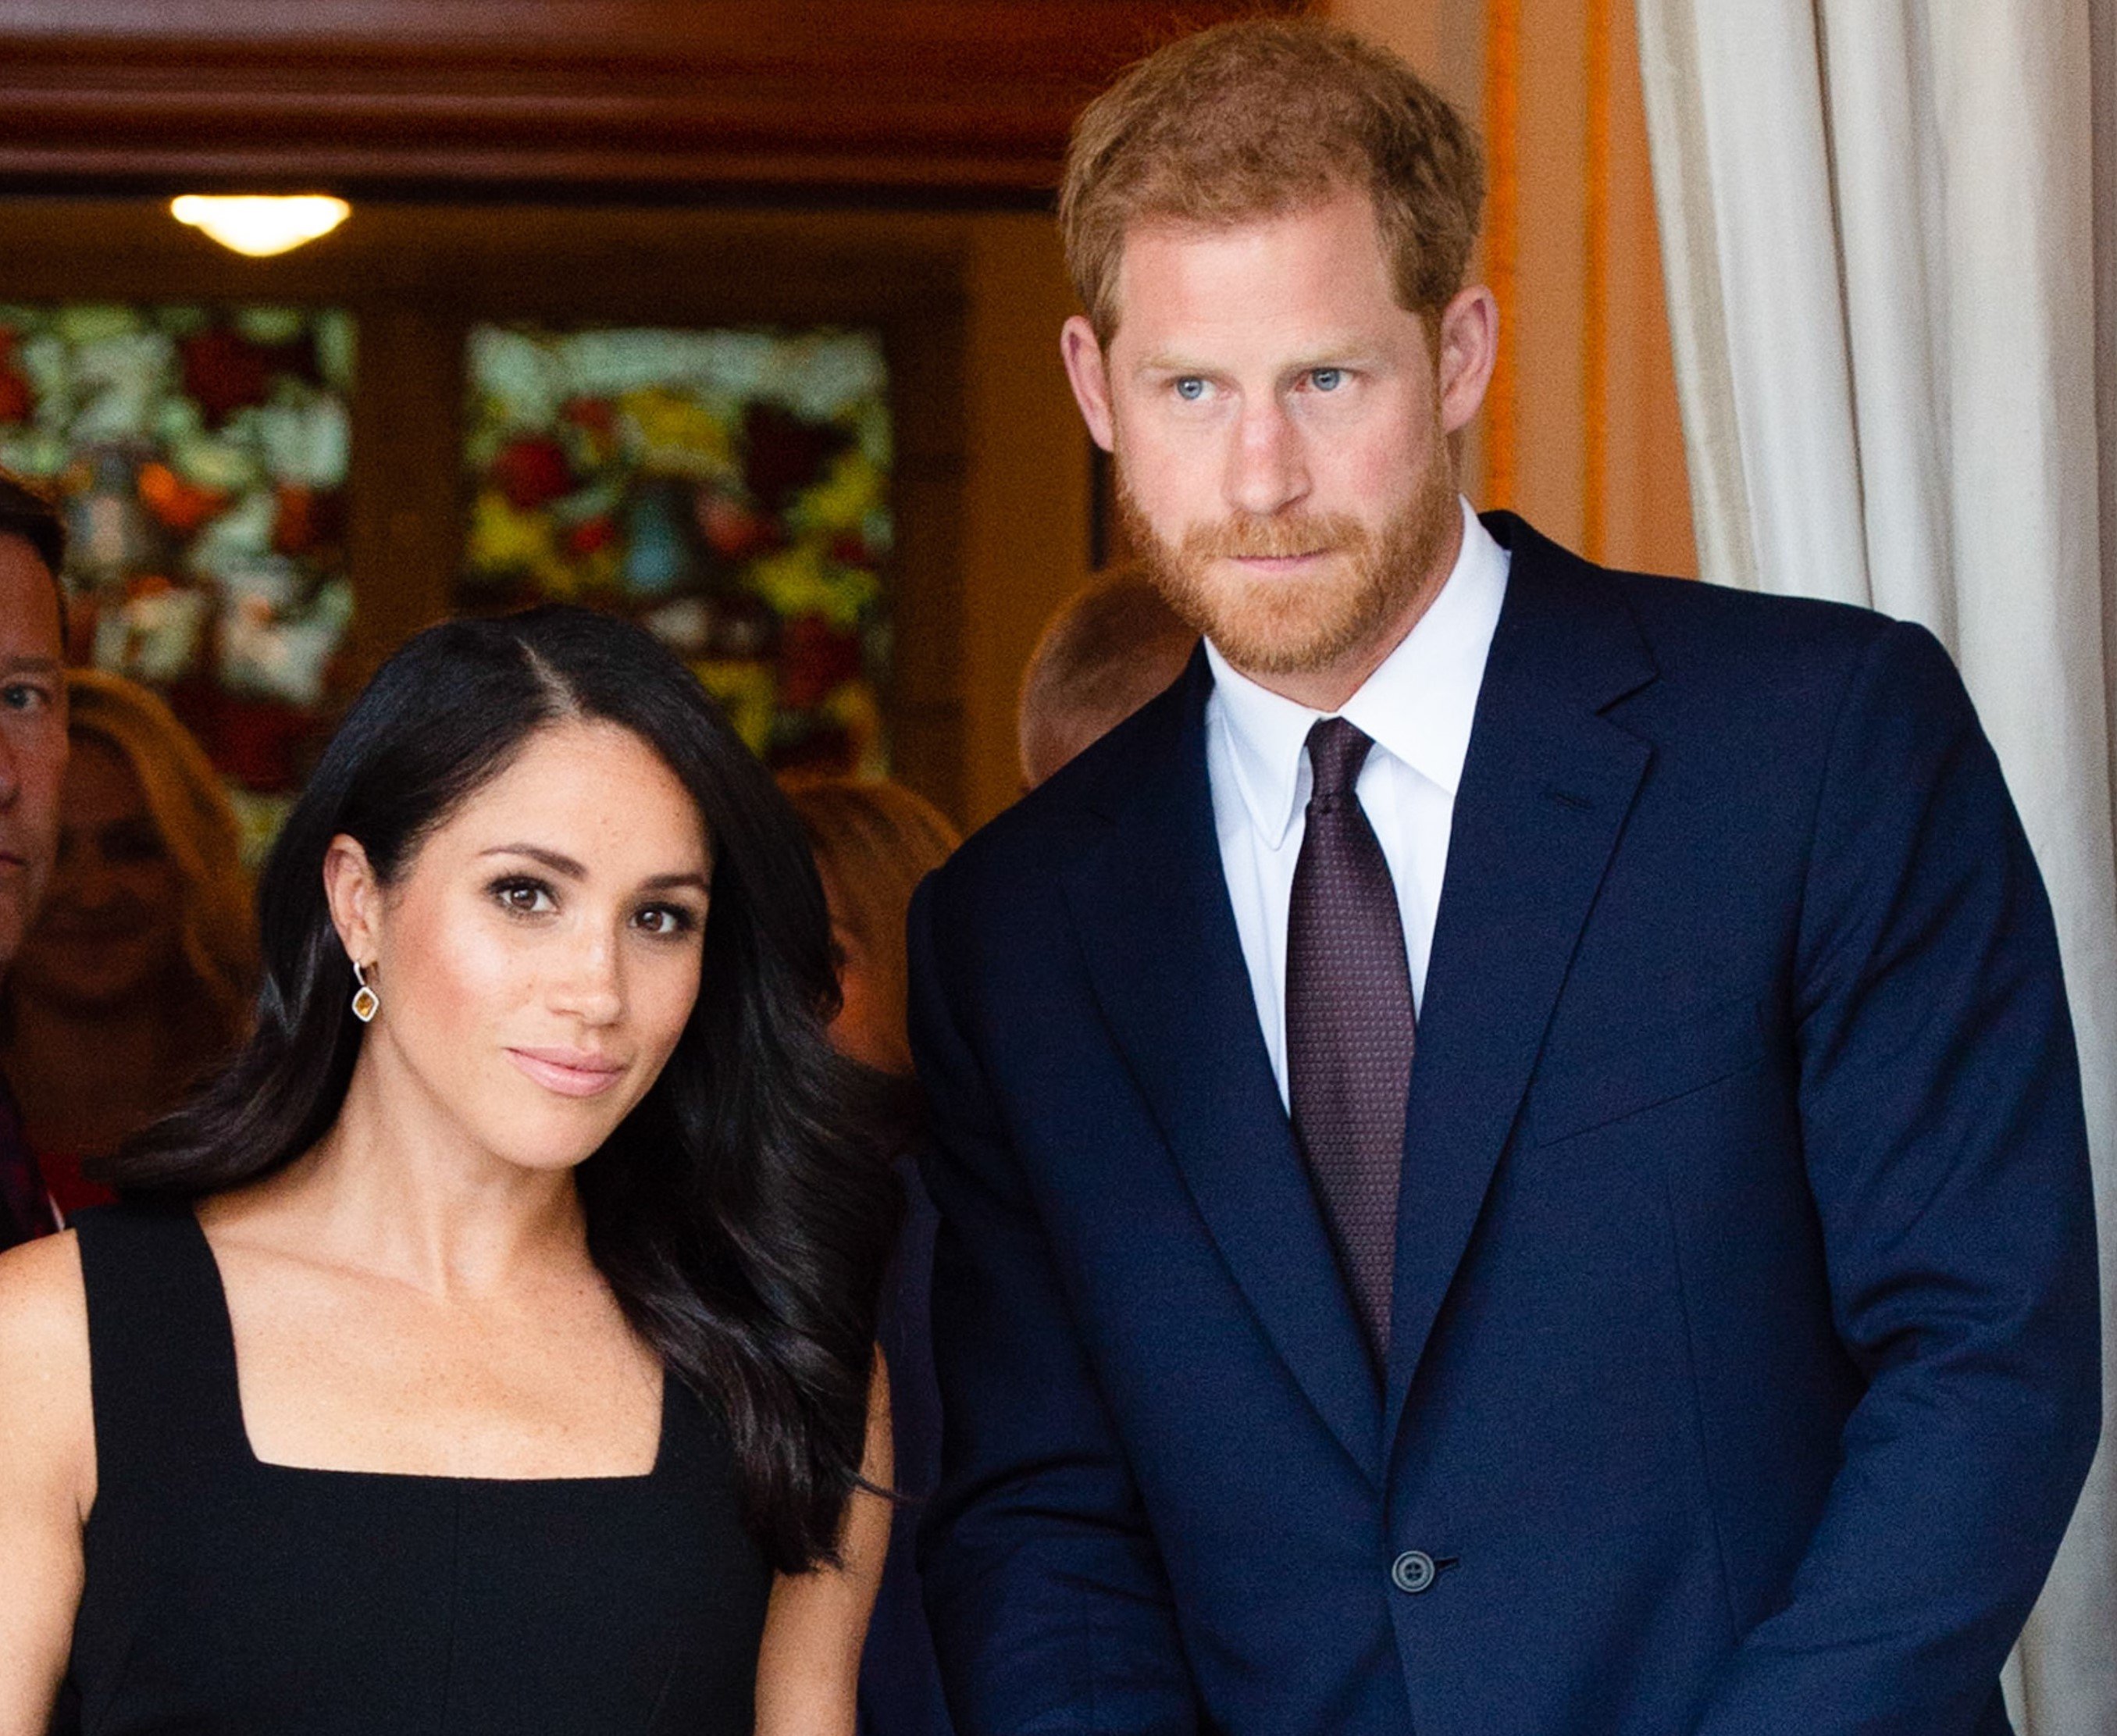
[
  {"x": 592, "y": 988},
  {"x": 82, "y": 875}
]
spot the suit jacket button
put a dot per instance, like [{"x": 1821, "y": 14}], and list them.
[{"x": 1412, "y": 1572}]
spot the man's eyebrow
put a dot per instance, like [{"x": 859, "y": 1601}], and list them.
[
  {"x": 21, "y": 665},
  {"x": 1347, "y": 352},
  {"x": 1351, "y": 353}
]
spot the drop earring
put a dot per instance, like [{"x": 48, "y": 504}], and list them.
[{"x": 366, "y": 1002}]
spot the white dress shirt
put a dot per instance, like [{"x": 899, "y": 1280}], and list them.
[{"x": 1416, "y": 707}]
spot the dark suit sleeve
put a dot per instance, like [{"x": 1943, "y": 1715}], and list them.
[
  {"x": 1050, "y": 1606},
  {"x": 1943, "y": 1135}
]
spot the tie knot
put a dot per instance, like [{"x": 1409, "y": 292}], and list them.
[{"x": 1336, "y": 752}]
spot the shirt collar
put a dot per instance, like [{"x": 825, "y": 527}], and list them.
[{"x": 1417, "y": 706}]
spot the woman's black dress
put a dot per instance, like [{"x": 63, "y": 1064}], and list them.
[{"x": 224, "y": 1595}]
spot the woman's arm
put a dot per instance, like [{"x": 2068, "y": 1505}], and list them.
[
  {"x": 46, "y": 1474},
  {"x": 808, "y": 1668}
]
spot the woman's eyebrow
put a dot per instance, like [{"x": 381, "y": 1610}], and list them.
[
  {"x": 666, "y": 882},
  {"x": 572, "y": 871},
  {"x": 551, "y": 859}
]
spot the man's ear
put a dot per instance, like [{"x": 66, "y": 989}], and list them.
[
  {"x": 1088, "y": 373},
  {"x": 354, "y": 894},
  {"x": 1468, "y": 345}
]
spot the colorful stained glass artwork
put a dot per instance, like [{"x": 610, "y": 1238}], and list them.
[
  {"x": 200, "y": 454},
  {"x": 729, "y": 489}
]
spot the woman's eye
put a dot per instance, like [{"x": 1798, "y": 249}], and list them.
[
  {"x": 1326, "y": 378},
  {"x": 524, "y": 898},
  {"x": 666, "y": 920}
]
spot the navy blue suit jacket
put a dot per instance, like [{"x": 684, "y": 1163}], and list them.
[
  {"x": 1744, "y": 1365},
  {"x": 900, "y": 1685}
]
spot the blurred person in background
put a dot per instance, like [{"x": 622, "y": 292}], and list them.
[
  {"x": 32, "y": 756},
  {"x": 874, "y": 842},
  {"x": 140, "y": 967},
  {"x": 1110, "y": 649}
]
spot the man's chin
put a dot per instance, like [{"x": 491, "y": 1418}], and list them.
[
  {"x": 1262, "y": 658},
  {"x": 1271, "y": 630}
]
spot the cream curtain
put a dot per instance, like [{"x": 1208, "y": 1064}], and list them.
[{"x": 1890, "y": 230}]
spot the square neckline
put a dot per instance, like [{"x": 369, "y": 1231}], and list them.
[{"x": 225, "y": 1322}]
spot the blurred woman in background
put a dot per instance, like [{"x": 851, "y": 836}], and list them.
[
  {"x": 874, "y": 843},
  {"x": 141, "y": 964}
]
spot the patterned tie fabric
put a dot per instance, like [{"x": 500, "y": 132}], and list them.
[
  {"x": 1350, "y": 1024},
  {"x": 25, "y": 1212}
]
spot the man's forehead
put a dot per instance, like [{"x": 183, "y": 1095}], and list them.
[
  {"x": 30, "y": 626},
  {"x": 1293, "y": 317}
]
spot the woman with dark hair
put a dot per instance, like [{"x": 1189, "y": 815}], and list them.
[{"x": 489, "y": 1345}]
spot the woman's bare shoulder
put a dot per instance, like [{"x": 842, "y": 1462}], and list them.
[
  {"x": 40, "y": 1289},
  {"x": 47, "y": 1415},
  {"x": 44, "y": 1332}
]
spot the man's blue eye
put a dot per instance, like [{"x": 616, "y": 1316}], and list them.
[
  {"x": 1191, "y": 388},
  {"x": 1327, "y": 378}
]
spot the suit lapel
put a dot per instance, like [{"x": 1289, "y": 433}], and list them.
[
  {"x": 1150, "y": 903},
  {"x": 1545, "y": 792}
]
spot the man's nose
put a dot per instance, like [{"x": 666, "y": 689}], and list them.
[{"x": 1267, "y": 470}]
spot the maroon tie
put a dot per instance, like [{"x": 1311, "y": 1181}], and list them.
[{"x": 1350, "y": 1027}]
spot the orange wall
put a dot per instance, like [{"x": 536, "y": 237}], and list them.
[
  {"x": 1582, "y": 433},
  {"x": 1025, "y": 487}
]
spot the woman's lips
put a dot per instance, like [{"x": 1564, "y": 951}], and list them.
[{"x": 568, "y": 1072}]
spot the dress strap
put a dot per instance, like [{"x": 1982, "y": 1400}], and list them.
[{"x": 161, "y": 1351}]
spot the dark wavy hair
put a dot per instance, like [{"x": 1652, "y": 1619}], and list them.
[{"x": 743, "y": 1212}]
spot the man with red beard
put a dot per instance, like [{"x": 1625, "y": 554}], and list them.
[
  {"x": 1509, "y": 1152},
  {"x": 32, "y": 759}
]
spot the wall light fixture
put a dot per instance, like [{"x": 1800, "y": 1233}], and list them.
[{"x": 260, "y": 224}]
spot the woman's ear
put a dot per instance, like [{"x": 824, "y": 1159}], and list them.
[{"x": 355, "y": 896}]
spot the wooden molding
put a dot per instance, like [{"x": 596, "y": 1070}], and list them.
[{"x": 666, "y": 97}]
